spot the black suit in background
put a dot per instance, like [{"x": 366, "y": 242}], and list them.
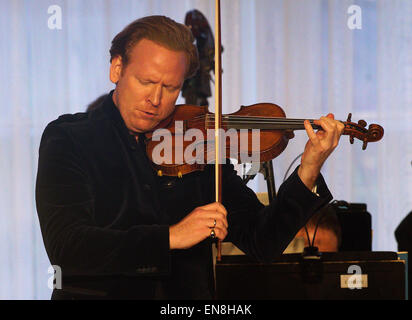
[
  {"x": 403, "y": 235},
  {"x": 105, "y": 214}
]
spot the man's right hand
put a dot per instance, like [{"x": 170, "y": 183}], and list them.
[{"x": 197, "y": 226}]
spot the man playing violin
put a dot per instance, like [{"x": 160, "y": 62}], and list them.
[{"x": 119, "y": 231}]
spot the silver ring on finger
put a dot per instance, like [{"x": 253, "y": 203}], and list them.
[
  {"x": 214, "y": 223},
  {"x": 212, "y": 233}
]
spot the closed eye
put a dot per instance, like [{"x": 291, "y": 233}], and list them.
[
  {"x": 172, "y": 88},
  {"x": 145, "y": 82}
]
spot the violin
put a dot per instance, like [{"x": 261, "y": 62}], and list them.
[{"x": 274, "y": 133}]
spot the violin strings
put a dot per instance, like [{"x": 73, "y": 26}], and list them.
[
  {"x": 253, "y": 122},
  {"x": 261, "y": 121},
  {"x": 243, "y": 118}
]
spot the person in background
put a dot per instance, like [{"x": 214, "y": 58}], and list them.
[
  {"x": 328, "y": 235},
  {"x": 403, "y": 235}
]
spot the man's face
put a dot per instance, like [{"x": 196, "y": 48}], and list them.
[{"x": 149, "y": 85}]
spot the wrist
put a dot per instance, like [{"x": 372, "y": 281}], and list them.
[
  {"x": 172, "y": 244},
  {"x": 308, "y": 176}
]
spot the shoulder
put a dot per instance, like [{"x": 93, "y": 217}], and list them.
[
  {"x": 69, "y": 121},
  {"x": 86, "y": 124},
  {"x": 77, "y": 126},
  {"x": 58, "y": 134},
  {"x": 77, "y": 121},
  {"x": 64, "y": 127},
  {"x": 73, "y": 133}
]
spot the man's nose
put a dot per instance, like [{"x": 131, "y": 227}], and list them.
[{"x": 156, "y": 95}]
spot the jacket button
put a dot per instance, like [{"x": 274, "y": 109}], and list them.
[{"x": 169, "y": 184}]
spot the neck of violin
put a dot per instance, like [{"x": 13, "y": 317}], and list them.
[{"x": 245, "y": 122}]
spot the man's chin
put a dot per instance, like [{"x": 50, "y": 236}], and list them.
[{"x": 144, "y": 127}]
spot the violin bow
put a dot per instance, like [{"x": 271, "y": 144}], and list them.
[{"x": 218, "y": 116}]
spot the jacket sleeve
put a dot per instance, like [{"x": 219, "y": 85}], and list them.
[
  {"x": 65, "y": 206},
  {"x": 264, "y": 232}
]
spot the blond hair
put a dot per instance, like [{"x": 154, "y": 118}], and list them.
[{"x": 162, "y": 30}]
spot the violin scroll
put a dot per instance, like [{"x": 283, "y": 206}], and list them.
[{"x": 359, "y": 131}]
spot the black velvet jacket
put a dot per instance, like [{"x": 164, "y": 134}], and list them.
[{"x": 105, "y": 214}]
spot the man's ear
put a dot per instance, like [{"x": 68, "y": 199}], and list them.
[{"x": 116, "y": 69}]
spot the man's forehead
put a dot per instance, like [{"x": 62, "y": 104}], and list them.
[
  {"x": 151, "y": 48},
  {"x": 148, "y": 58}
]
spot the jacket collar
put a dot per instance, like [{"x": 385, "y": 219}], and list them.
[{"x": 113, "y": 113}]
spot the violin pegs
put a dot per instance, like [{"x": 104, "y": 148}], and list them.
[
  {"x": 362, "y": 123},
  {"x": 365, "y": 143},
  {"x": 349, "y": 117},
  {"x": 351, "y": 139}
]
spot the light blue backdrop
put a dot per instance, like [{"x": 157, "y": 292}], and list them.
[{"x": 299, "y": 54}]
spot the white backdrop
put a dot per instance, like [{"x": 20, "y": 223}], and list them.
[{"x": 299, "y": 54}]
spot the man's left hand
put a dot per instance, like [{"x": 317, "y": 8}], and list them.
[{"x": 318, "y": 148}]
